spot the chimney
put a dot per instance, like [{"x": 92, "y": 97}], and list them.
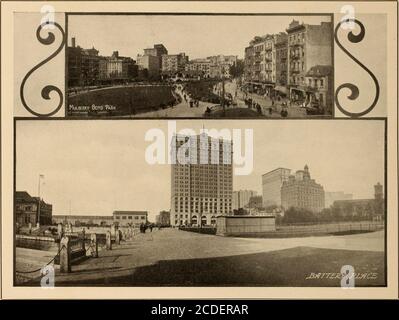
[{"x": 73, "y": 42}]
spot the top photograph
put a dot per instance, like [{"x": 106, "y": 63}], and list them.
[{"x": 199, "y": 66}]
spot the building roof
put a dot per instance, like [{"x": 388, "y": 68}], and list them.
[
  {"x": 83, "y": 217},
  {"x": 23, "y": 196},
  {"x": 276, "y": 170},
  {"x": 130, "y": 212},
  {"x": 319, "y": 71}
]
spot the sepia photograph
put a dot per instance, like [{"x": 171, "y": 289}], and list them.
[
  {"x": 199, "y": 66},
  {"x": 200, "y": 203}
]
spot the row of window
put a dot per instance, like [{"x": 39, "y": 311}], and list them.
[{"x": 130, "y": 217}]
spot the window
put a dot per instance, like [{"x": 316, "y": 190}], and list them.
[
  {"x": 123, "y": 217},
  {"x": 130, "y": 217},
  {"x": 142, "y": 218},
  {"x": 117, "y": 217}
]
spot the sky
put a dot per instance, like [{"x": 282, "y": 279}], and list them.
[
  {"x": 96, "y": 167},
  {"x": 197, "y": 36}
]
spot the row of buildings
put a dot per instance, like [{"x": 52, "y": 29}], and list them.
[
  {"x": 296, "y": 63},
  {"x": 119, "y": 218},
  {"x": 34, "y": 211},
  {"x": 284, "y": 190},
  {"x": 159, "y": 63},
  {"x": 86, "y": 67}
]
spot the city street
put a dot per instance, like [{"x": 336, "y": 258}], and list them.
[
  {"x": 174, "y": 257},
  {"x": 180, "y": 110}
]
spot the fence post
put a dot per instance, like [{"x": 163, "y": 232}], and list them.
[
  {"x": 83, "y": 239},
  {"x": 108, "y": 240},
  {"x": 113, "y": 229},
  {"x": 117, "y": 236},
  {"x": 94, "y": 245},
  {"x": 65, "y": 255},
  {"x": 60, "y": 230}
]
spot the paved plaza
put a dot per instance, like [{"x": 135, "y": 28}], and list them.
[{"x": 173, "y": 257}]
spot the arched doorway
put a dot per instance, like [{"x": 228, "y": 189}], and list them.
[
  {"x": 213, "y": 220},
  {"x": 194, "y": 220},
  {"x": 203, "y": 220}
]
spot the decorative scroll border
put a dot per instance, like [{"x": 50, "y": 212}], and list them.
[
  {"x": 352, "y": 87},
  {"x": 45, "y": 93}
]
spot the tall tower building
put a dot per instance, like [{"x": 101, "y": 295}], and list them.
[
  {"x": 271, "y": 186},
  {"x": 202, "y": 179},
  {"x": 241, "y": 198},
  {"x": 378, "y": 192}
]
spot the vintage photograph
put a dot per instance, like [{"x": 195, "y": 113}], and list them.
[
  {"x": 199, "y": 66},
  {"x": 200, "y": 203}
]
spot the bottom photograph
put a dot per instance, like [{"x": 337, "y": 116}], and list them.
[{"x": 201, "y": 203}]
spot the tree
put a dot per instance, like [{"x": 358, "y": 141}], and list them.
[
  {"x": 240, "y": 212},
  {"x": 298, "y": 215},
  {"x": 236, "y": 70}
]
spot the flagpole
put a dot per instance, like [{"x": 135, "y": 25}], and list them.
[{"x": 38, "y": 209}]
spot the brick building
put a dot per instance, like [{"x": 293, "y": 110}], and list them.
[
  {"x": 32, "y": 210},
  {"x": 308, "y": 46},
  {"x": 173, "y": 63},
  {"x": 302, "y": 192}
]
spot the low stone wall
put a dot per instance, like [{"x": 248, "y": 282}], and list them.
[
  {"x": 245, "y": 225},
  {"x": 36, "y": 242}
]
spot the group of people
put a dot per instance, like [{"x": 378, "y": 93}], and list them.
[{"x": 144, "y": 227}]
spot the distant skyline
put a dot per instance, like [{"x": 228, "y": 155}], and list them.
[
  {"x": 199, "y": 36},
  {"x": 99, "y": 166}
]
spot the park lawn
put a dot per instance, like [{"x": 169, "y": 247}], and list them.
[{"x": 127, "y": 100}]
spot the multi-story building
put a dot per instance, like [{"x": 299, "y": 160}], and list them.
[
  {"x": 130, "y": 218},
  {"x": 32, "y": 210},
  {"x": 149, "y": 64},
  {"x": 202, "y": 179},
  {"x": 271, "y": 186},
  {"x": 163, "y": 218},
  {"x": 308, "y": 46},
  {"x": 331, "y": 196},
  {"x": 241, "y": 198},
  {"x": 199, "y": 67},
  {"x": 173, "y": 63},
  {"x": 283, "y": 62},
  {"x": 116, "y": 67},
  {"x": 318, "y": 80},
  {"x": 302, "y": 192},
  {"x": 249, "y": 61},
  {"x": 221, "y": 64},
  {"x": 83, "y": 65},
  {"x": 151, "y": 60},
  {"x": 281, "y": 49}
]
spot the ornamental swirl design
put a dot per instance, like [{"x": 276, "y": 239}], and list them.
[{"x": 45, "y": 93}]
